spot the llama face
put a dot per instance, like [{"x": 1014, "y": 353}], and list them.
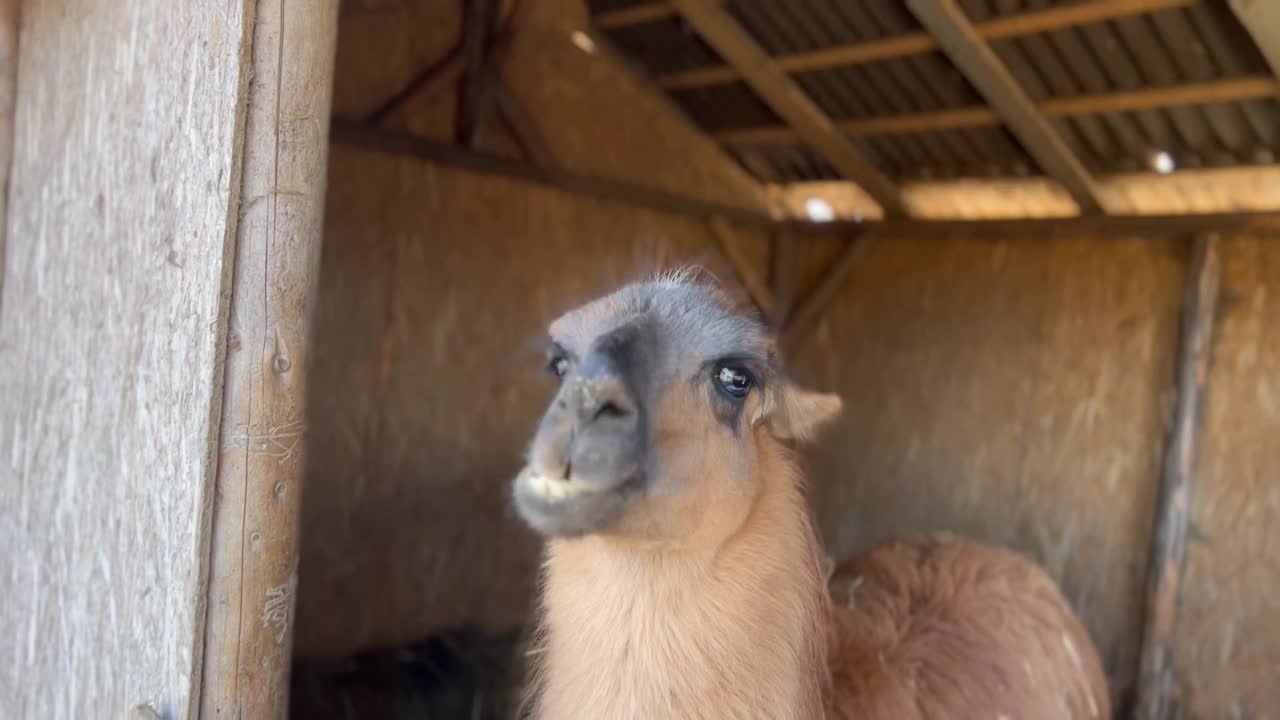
[{"x": 664, "y": 392}]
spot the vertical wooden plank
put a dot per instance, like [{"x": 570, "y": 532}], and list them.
[
  {"x": 254, "y": 557},
  {"x": 1168, "y": 548},
  {"x": 8, "y": 87},
  {"x": 120, "y": 231},
  {"x": 782, "y": 270}
]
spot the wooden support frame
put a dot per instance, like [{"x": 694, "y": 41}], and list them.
[
  {"x": 736, "y": 46},
  {"x": 634, "y": 15},
  {"x": 978, "y": 62},
  {"x": 475, "y": 95},
  {"x": 810, "y": 311},
  {"x": 782, "y": 268},
  {"x": 432, "y": 81},
  {"x": 1027, "y": 23},
  {"x": 248, "y": 642},
  {"x": 400, "y": 143},
  {"x": 1261, "y": 18},
  {"x": 1177, "y": 482},
  {"x": 1228, "y": 90},
  {"x": 732, "y": 249}
]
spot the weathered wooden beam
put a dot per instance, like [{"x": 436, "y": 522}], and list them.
[
  {"x": 111, "y": 345},
  {"x": 750, "y": 279},
  {"x": 782, "y": 267},
  {"x": 810, "y": 311},
  {"x": 1036, "y": 229},
  {"x": 732, "y": 42},
  {"x": 1228, "y": 90},
  {"x": 427, "y": 84},
  {"x": 1027, "y": 23},
  {"x": 475, "y": 96},
  {"x": 400, "y": 143},
  {"x": 1261, "y": 18},
  {"x": 979, "y": 63},
  {"x": 253, "y": 563},
  {"x": 634, "y": 15},
  {"x": 8, "y": 90},
  {"x": 1177, "y": 483}
]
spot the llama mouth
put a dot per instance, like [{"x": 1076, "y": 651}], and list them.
[
  {"x": 561, "y": 507},
  {"x": 553, "y": 489}
]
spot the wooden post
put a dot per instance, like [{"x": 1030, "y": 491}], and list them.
[
  {"x": 254, "y": 558},
  {"x": 475, "y": 97},
  {"x": 1173, "y": 506},
  {"x": 120, "y": 231},
  {"x": 782, "y": 262},
  {"x": 8, "y": 88}
]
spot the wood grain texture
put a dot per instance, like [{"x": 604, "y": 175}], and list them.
[
  {"x": 120, "y": 234},
  {"x": 1228, "y": 643},
  {"x": 8, "y": 92},
  {"x": 253, "y": 565},
  {"x": 1177, "y": 483},
  {"x": 1008, "y": 390}
]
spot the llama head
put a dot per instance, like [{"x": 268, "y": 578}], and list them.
[{"x": 669, "y": 402}]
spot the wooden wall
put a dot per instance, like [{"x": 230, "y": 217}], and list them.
[
  {"x": 118, "y": 233},
  {"x": 436, "y": 288},
  {"x": 1012, "y": 391},
  {"x": 1018, "y": 391}
]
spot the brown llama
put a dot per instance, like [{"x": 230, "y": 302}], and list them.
[{"x": 683, "y": 577}]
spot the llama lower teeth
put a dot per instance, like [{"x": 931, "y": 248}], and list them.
[{"x": 554, "y": 488}]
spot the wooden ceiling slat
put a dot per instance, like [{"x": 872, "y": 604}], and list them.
[
  {"x": 1233, "y": 90},
  {"x": 916, "y": 43}
]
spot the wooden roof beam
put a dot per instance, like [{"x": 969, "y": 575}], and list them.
[
  {"x": 395, "y": 142},
  {"x": 779, "y": 92},
  {"x": 1230, "y": 90},
  {"x": 978, "y": 62},
  {"x": 1261, "y": 18},
  {"x": 634, "y": 15},
  {"x": 916, "y": 43}
]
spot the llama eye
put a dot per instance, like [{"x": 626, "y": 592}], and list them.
[
  {"x": 733, "y": 381},
  {"x": 559, "y": 366}
]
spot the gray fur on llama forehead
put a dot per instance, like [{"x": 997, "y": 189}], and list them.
[{"x": 694, "y": 315}]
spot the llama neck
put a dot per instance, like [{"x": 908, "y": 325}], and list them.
[{"x": 734, "y": 631}]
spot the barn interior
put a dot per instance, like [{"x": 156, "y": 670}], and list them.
[{"x": 989, "y": 225}]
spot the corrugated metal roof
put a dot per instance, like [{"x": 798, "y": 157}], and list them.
[{"x": 1199, "y": 43}]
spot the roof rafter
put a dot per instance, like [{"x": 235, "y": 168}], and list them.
[
  {"x": 780, "y": 93},
  {"x": 1261, "y": 18},
  {"x": 916, "y": 43},
  {"x": 979, "y": 63}
]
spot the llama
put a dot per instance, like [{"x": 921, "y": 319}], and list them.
[{"x": 683, "y": 577}]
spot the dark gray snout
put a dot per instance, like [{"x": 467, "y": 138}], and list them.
[{"x": 588, "y": 451}]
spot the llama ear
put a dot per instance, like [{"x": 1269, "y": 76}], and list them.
[{"x": 797, "y": 414}]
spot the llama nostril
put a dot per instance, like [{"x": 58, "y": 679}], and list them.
[{"x": 610, "y": 409}]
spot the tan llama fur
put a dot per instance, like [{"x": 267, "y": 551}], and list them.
[{"x": 683, "y": 577}]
